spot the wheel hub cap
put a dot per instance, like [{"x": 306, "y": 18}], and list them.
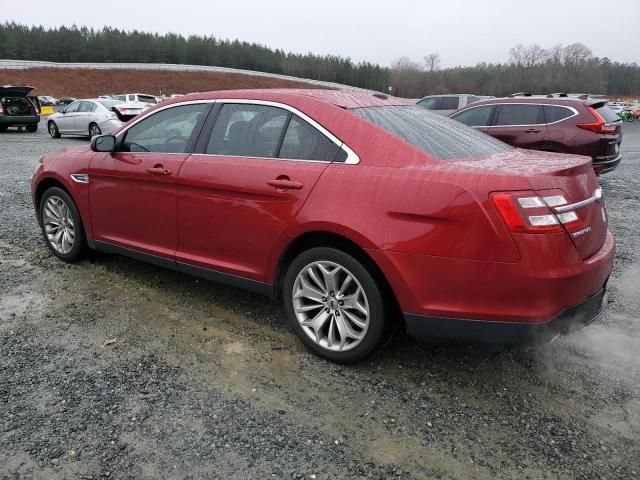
[
  {"x": 58, "y": 225},
  {"x": 331, "y": 306}
]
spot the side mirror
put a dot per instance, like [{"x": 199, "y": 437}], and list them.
[{"x": 103, "y": 143}]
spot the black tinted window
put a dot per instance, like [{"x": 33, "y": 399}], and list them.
[
  {"x": 437, "y": 136},
  {"x": 246, "y": 130},
  {"x": 553, "y": 113},
  {"x": 519, "y": 115},
  {"x": 167, "y": 131},
  {"x": 448, "y": 103},
  {"x": 475, "y": 117},
  {"x": 304, "y": 142}
]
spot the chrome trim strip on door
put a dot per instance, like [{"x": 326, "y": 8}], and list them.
[
  {"x": 352, "y": 157},
  {"x": 597, "y": 196}
]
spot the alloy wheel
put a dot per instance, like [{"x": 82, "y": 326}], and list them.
[
  {"x": 331, "y": 306},
  {"x": 94, "y": 130},
  {"x": 58, "y": 225}
]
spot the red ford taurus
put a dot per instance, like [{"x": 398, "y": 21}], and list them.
[{"x": 359, "y": 211}]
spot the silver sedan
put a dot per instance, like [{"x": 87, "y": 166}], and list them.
[{"x": 85, "y": 117}]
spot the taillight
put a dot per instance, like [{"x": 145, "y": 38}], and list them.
[
  {"x": 599, "y": 126},
  {"x": 1, "y": 109},
  {"x": 526, "y": 212}
]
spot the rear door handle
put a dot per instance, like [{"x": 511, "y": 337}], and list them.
[
  {"x": 285, "y": 184},
  {"x": 532, "y": 130},
  {"x": 159, "y": 170}
]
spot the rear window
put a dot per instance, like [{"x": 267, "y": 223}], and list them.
[
  {"x": 147, "y": 99},
  {"x": 110, "y": 103},
  {"x": 607, "y": 114},
  {"x": 438, "y": 136}
]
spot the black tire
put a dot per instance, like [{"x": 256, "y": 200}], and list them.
[
  {"x": 80, "y": 242},
  {"x": 53, "y": 130},
  {"x": 377, "y": 308},
  {"x": 94, "y": 130},
  {"x": 32, "y": 128}
]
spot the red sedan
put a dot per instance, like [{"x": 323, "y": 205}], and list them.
[{"x": 361, "y": 212}]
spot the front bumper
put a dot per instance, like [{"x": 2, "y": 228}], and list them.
[{"x": 434, "y": 329}]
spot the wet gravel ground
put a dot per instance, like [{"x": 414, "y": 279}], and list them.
[{"x": 206, "y": 381}]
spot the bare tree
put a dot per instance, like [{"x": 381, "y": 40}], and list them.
[
  {"x": 575, "y": 55},
  {"x": 406, "y": 77},
  {"x": 527, "y": 56},
  {"x": 432, "y": 61},
  {"x": 516, "y": 55}
]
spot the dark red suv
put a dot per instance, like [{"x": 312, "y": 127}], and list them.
[{"x": 577, "y": 125}]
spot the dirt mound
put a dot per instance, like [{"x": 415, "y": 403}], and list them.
[{"x": 85, "y": 83}]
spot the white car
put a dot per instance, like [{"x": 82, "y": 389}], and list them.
[
  {"x": 88, "y": 117},
  {"x": 132, "y": 104}
]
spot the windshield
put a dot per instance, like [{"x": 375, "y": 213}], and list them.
[{"x": 438, "y": 136}]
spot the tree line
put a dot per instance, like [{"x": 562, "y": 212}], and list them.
[{"x": 530, "y": 68}]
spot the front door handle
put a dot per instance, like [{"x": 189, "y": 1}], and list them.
[
  {"x": 285, "y": 184},
  {"x": 159, "y": 170},
  {"x": 532, "y": 130}
]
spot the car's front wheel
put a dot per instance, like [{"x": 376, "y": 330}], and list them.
[
  {"x": 53, "y": 130},
  {"x": 334, "y": 304},
  {"x": 61, "y": 225}
]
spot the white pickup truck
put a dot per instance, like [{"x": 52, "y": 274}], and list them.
[{"x": 132, "y": 104}]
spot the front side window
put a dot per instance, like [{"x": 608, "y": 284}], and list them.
[
  {"x": 448, "y": 103},
  {"x": 167, "y": 131},
  {"x": 437, "y": 136},
  {"x": 429, "y": 103},
  {"x": 73, "y": 107},
  {"x": 518, "y": 114},
  {"x": 475, "y": 117}
]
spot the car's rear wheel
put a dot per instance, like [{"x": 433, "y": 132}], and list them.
[
  {"x": 53, "y": 130},
  {"x": 94, "y": 130},
  {"x": 334, "y": 304},
  {"x": 61, "y": 225},
  {"x": 32, "y": 128}
]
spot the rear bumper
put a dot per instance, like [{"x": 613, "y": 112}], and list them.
[
  {"x": 18, "y": 120},
  {"x": 511, "y": 333},
  {"x": 604, "y": 165}
]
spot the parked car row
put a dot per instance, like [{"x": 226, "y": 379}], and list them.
[
  {"x": 359, "y": 212},
  {"x": 562, "y": 124}
]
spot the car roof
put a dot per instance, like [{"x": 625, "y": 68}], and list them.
[
  {"x": 535, "y": 99},
  {"x": 347, "y": 99}
]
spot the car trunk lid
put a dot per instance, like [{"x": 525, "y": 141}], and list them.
[
  {"x": 566, "y": 183},
  {"x": 15, "y": 90}
]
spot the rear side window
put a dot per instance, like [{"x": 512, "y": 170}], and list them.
[
  {"x": 448, "y": 103},
  {"x": 471, "y": 99},
  {"x": 304, "y": 142},
  {"x": 519, "y": 114},
  {"x": 554, "y": 113},
  {"x": 438, "y": 136},
  {"x": 86, "y": 107},
  {"x": 246, "y": 130},
  {"x": 475, "y": 117}
]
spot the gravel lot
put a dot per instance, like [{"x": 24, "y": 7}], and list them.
[{"x": 206, "y": 381}]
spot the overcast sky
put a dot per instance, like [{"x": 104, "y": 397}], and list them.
[{"x": 463, "y": 32}]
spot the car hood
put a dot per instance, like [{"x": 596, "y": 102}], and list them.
[{"x": 15, "y": 90}]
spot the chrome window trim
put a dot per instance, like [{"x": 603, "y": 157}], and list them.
[
  {"x": 597, "y": 197},
  {"x": 352, "y": 157},
  {"x": 575, "y": 113}
]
